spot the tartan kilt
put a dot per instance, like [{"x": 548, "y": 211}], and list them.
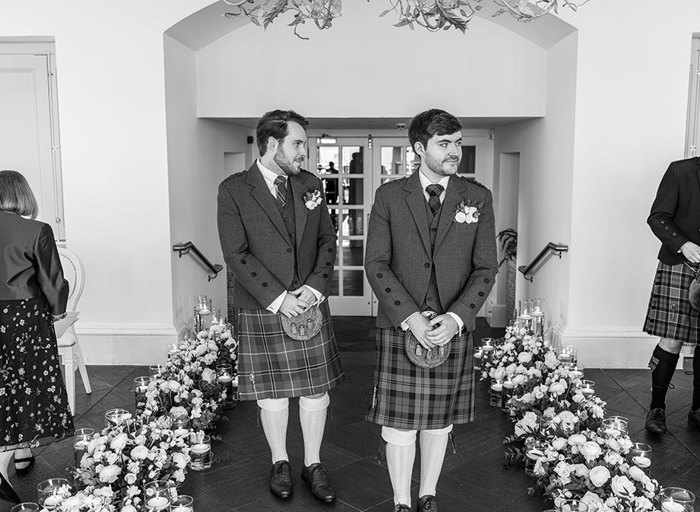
[
  {"x": 410, "y": 397},
  {"x": 273, "y": 365},
  {"x": 670, "y": 314}
]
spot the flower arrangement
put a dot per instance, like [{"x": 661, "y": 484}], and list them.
[
  {"x": 468, "y": 212},
  {"x": 312, "y": 199}
]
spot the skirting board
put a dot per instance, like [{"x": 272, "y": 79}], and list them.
[
  {"x": 128, "y": 345},
  {"x": 609, "y": 348}
]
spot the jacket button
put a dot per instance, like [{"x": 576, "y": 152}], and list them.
[
  {"x": 380, "y": 276},
  {"x": 243, "y": 261},
  {"x": 264, "y": 285},
  {"x": 325, "y": 276},
  {"x": 473, "y": 306},
  {"x": 397, "y": 303},
  {"x": 481, "y": 294},
  {"x": 387, "y": 290},
  {"x": 427, "y": 265},
  {"x": 330, "y": 250},
  {"x": 328, "y": 263},
  {"x": 486, "y": 280},
  {"x": 254, "y": 274}
]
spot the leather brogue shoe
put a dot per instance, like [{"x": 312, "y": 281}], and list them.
[
  {"x": 281, "y": 479},
  {"x": 317, "y": 478},
  {"x": 656, "y": 421},
  {"x": 401, "y": 508},
  {"x": 694, "y": 418},
  {"x": 427, "y": 503}
]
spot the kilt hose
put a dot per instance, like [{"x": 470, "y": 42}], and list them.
[
  {"x": 670, "y": 314},
  {"x": 407, "y": 396},
  {"x": 273, "y": 365}
]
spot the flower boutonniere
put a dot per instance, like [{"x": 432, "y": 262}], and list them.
[
  {"x": 468, "y": 212},
  {"x": 312, "y": 199}
]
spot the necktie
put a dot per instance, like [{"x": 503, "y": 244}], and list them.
[
  {"x": 281, "y": 186},
  {"x": 434, "y": 192}
]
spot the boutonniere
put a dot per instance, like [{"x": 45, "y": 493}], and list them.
[
  {"x": 468, "y": 212},
  {"x": 312, "y": 199}
]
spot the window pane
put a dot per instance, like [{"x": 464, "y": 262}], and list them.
[
  {"x": 468, "y": 163},
  {"x": 353, "y": 283},
  {"x": 352, "y": 252}
]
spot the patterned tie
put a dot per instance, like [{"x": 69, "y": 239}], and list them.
[
  {"x": 281, "y": 185},
  {"x": 434, "y": 192}
]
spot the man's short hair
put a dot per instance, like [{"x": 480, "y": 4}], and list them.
[
  {"x": 429, "y": 123},
  {"x": 16, "y": 196},
  {"x": 274, "y": 124}
]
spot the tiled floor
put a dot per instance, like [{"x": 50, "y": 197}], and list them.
[{"x": 473, "y": 479}]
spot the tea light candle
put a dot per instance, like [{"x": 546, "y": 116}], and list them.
[
  {"x": 564, "y": 357},
  {"x": 200, "y": 448},
  {"x": 181, "y": 508},
  {"x": 158, "y": 503},
  {"x": 672, "y": 506},
  {"x": 225, "y": 379},
  {"x": 576, "y": 373},
  {"x": 588, "y": 388}
]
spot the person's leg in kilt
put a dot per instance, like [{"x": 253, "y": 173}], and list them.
[
  {"x": 433, "y": 444},
  {"x": 312, "y": 416},
  {"x": 400, "y": 456},
  {"x": 274, "y": 415},
  {"x": 694, "y": 413},
  {"x": 663, "y": 364}
]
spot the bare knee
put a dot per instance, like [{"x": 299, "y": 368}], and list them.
[{"x": 672, "y": 346}]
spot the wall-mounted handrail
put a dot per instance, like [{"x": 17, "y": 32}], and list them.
[
  {"x": 551, "y": 248},
  {"x": 214, "y": 268}
]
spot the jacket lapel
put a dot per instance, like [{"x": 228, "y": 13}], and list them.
[
  {"x": 267, "y": 203},
  {"x": 415, "y": 199},
  {"x": 453, "y": 195},
  {"x": 297, "y": 189}
]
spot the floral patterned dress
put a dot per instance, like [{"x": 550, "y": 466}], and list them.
[{"x": 33, "y": 402}]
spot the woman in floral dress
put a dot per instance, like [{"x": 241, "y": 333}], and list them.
[{"x": 33, "y": 294}]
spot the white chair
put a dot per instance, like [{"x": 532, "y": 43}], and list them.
[{"x": 68, "y": 345}]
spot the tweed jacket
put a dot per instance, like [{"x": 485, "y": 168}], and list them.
[
  {"x": 675, "y": 213},
  {"x": 399, "y": 258},
  {"x": 30, "y": 267},
  {"x": 257, "y": 247}
]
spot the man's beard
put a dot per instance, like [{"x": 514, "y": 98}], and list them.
[
  {"x": 438, "y": 167},
  {"x": 286, "y": 164}
]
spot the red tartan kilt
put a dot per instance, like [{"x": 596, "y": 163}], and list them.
[
  {"x": 670, "y": 314},
  {"x": 273, "y": 365},
  {"x": 409, "y": 397}
]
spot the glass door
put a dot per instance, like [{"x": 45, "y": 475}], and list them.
[{"x": 344, "y": 166}]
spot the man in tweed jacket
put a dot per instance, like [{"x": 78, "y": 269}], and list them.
[
  {"x": 431, "y": 246},
  {"x": 278, "y": 239}
]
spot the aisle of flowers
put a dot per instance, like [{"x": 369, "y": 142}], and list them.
[{"x": 562, "y": 436}]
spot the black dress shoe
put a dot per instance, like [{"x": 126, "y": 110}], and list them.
[
  {"x": 694, "y": 418},
  {"x": 7, "y": 493},
  {"x": 316, "y": 476},
  {"x": 427, "y": 503},
  {"x": 25, "y": 470},
  {"x": 656, "y": 421},
  {"x": 281, "y": 479}
]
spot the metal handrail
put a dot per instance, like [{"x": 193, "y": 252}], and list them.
[
  {"x": 551, "y": 248},
  {"x": 214, "y": 268}
]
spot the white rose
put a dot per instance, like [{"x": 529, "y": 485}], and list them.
[
  {"x": 580, "y": 469},
  {"x": 559, "y": 443},
  {"x": 461, "y": 217},
  {"x": 128, "y": 508},
  {"x": 130, "y": 479},
  {"x": 637, "y": 474},
  {"x": 524, "y": 357},
  {"x": 519, "y": 379},
  {"x": 564, "y": 471},
  {"x": 643, "y": 503},
  {"x": 599, "y": 475},
  {"x": 119, "y": 442},
  {"x": 527, "y": 398},
  {"x": 590, "y": 450},
  {"x": 109, "y": 474},
  {"x": 577, "y": 439},
  {"x": 139, "y": 453},
  {"x": 613, "y": 458},
  {"x": 550, "y": 359},
  {"x": 621, "y": 486},
  {"x": 558, "y": 388},
  {"x": 208, "y": 375},
  {"x": 180, "y": 460}
]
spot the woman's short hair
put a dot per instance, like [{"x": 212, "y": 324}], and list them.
[{"x": 16, "y": 195}]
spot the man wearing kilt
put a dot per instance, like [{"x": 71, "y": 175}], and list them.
[
  {"x": 278, "y": 239},
  {"x": 675, "y": 220},
  {"x": 431, "y": 246}
]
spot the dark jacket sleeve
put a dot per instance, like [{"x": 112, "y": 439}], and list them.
[
  {"x": 49, "y": 271},
  {"x": 663, "y": 210}
]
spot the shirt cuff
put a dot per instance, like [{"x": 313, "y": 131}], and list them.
[
  {"x": 275, "y": 306},
  {"x": 459, "y": 321},
  {"x": 317, "y": 294},
  {"x": 404, "y": 324}
]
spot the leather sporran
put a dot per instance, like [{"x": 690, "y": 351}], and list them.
[
  {"x": 423, "y": 357},
  {"x": 304, "y": 326}
]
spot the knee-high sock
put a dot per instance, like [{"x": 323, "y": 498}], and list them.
[
  {"x": 432, "y": 453},
  {"x": 696, "y": 379},
  {"x": 274, "y": 414},
  {"x": 662, "y": 365},
  {"x": 400, "y": 455},
  {"x": 312, "y": 416}
]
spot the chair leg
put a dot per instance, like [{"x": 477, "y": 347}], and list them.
[
  {"x": 69, "y": 364},
  {"x": 81, "y": 367}
]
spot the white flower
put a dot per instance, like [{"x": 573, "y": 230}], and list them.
[
  {"x": 527, "y": 398},
  {"x": 180, "y": 460},
  {"x": 128, "y": 508},
  {"x": 550, "y": 359},
  {"x": 559, "y": 443},
  {"x": 577, "y": 439},
  {"x": 130, "y": 478},
  {"x": 139, "y": 452},
  {"x": 564, "y": 471},
  {"x": 599, "y": 475},
  {"x": 558, "y": 388},
  {"x": 119, "y": 442},
  {"x": 460, "y": 217},
  {"x": 109, "y": 474},
  {"x": 637, "y": 474},
  {"x": 590, "y": 450},
  {"x": 208, "y": 375},
  {"x": 621, "y": 486},
  {"x": 642, "y": 503},
  {"x": 524, "y": 357},
  {"x": 527, "y": 425},
  {"x": 613, "y": 458}
]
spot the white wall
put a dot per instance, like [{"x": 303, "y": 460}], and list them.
[
  {"x": 113, "y": 138},
  {"x": 196, "y": 159},
  {"x": 364, "y": 67}
]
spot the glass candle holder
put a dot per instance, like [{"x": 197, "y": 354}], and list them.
[
  {"x": 478, "y": 356},
  {"x": 27, "y": 506},
  {"x": 640, "y": 456},
  {"x": 182, "y": 503},
  {"x": 200, "y": 452},
  {"x": 156, "y": 370},
  {"x": 117, "y": 417},
  {"x": 496, "y": 394},
  {"x": 224, "y": 376},
  {"x": 588, "y": 388},
  {"x": 572, "y": 506},
  {"x": 531, "y": 457},
  {"x": 487, "y": 347},
  {"x": 615, "y": 426},
  {"x": 140, "y": 388},
  {"x": 52, "y": 492},
  {"x": 676, "y": 499},
  {"x": 537, "y": 313},
  {"x": 508, "y": 390},
  {"x": 576, "y": 371},
  {"x": 173, "y": 349},
  {"x": 81, "y": 440},
  {"x": 158, "y": 495}
]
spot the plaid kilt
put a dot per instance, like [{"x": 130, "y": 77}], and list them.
[
  {"x": 670, "y": 314},
  {"x": 273, "y": 365},
  {"x": 410, "y": 397}
]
